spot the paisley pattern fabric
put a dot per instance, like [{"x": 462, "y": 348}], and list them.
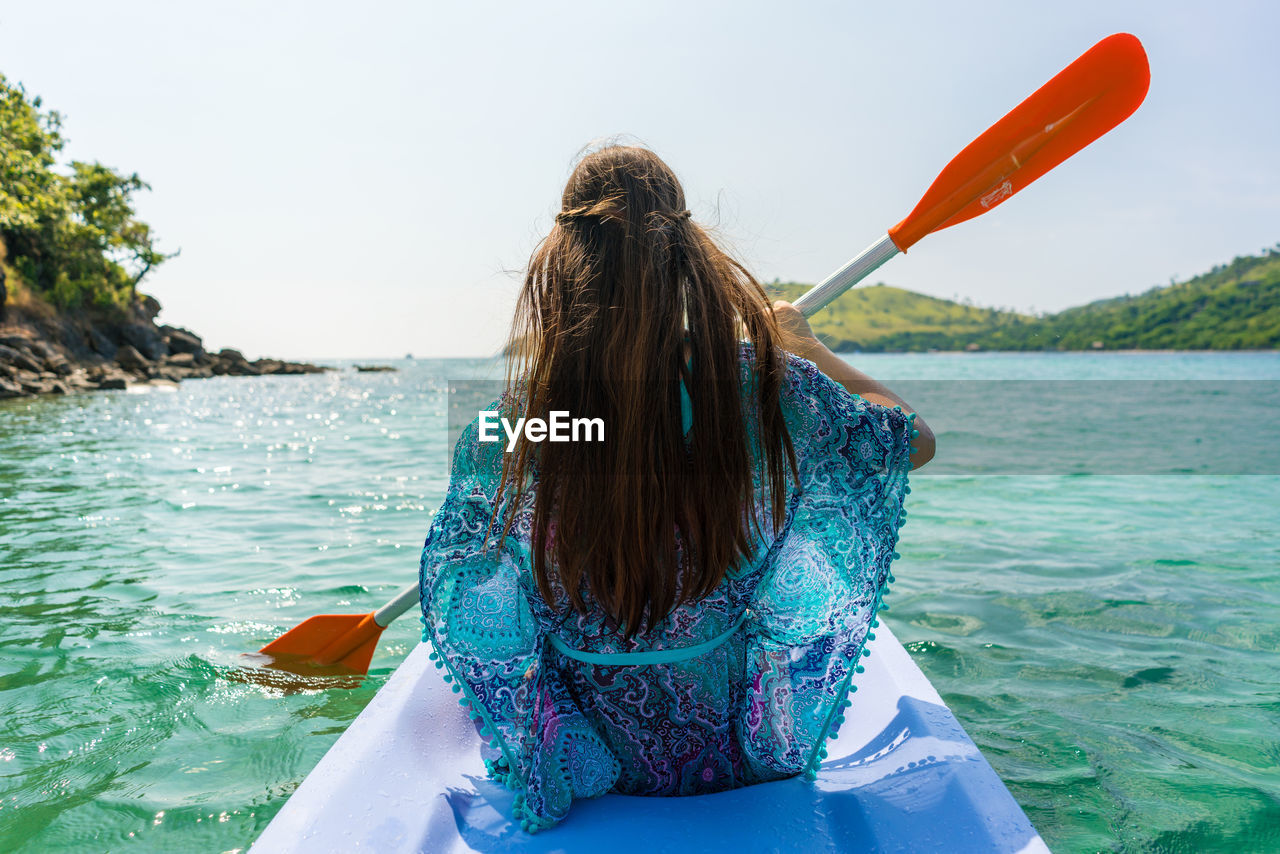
[{"x": 739, "y": 688}]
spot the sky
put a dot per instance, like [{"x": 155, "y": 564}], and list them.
[{"x": 367, "y": 180}]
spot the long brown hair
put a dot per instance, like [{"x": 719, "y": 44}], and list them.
[{"x": 643, "y": 521}]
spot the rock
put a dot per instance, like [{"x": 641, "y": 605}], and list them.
[
  {"x": 57, "y": 364},
  {"x": 42, "y": 350},
  {"x": 230, "y": 361},
  {"x": 279, "y": 366},
  {"x": 33, "y": 347},
  {"x": 37, "y": 352},
  {"x": 130, "y": 358},
  {"x": 181, "y": 340},
  {"x": 101, "y": 344},
  {"x": 19, "y": 359},
  {"x": 80, "y": 353},
  {"x": 369, "y": 369},
  {"x": 146, "y": 338},
  {"x": 151, "y": 306},
  {"x": 230, "y": 366},
  {"x": 972, "y": 347},
  {"x": 79, "y": 380}
]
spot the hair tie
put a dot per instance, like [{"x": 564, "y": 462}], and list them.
[
  {"x": 567, "y": 216},
  {"x": 669, "y": 218}
]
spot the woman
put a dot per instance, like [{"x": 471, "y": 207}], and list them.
[{"x": 680, "y": 608}]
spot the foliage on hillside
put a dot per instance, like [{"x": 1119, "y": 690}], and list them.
[
  {"x": 869, "y": 317},
  {"x": 71, "y": 232},
  {"x": 1234, "y": 306}
]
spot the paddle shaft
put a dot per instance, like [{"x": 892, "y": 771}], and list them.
[
  {"x": 863, "y": 264},
  {"x": 404, "y": 600}
]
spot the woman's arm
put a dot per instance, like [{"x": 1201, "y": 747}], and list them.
[{"x": 799, "y": 339}]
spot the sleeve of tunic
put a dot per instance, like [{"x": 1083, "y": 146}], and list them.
[
  {"x": 816, "y": 605},
  {"x": 488, "y": 641}
]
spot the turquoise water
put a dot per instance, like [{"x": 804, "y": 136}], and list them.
[{"x": 1108, "y": 641}]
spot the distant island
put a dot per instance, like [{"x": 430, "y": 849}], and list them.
[
  {"x": 72, "y": 255},
  {"x": 1235, "y": 306}
]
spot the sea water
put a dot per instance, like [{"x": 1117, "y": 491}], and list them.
[{"x": 1108, "y": 640}]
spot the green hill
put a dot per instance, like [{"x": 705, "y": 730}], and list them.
[
  {"x": 1233, "y": 307},
  {"x": 871, "y": 317}
]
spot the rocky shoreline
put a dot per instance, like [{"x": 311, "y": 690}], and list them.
[{"x": 52, "y": 353}]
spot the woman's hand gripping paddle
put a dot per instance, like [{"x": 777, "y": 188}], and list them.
[
  {"x": 1085, "y": 100},
  {"x": 1088, "y": 98}
]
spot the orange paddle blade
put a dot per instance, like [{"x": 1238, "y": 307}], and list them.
[
  {"x": 343, "y": 640},
  {"x": 1085, "y": 100}
]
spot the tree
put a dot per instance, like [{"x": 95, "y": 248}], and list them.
[{"x": 74, "y": 236}]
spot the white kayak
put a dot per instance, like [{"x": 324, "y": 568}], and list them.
[{"x": 903, "y": 775}]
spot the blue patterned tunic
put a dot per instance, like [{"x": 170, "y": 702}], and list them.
[{"x": 739, "y": 688}]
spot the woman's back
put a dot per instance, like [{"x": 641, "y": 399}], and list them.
[{"x": 730, "y": 688}]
